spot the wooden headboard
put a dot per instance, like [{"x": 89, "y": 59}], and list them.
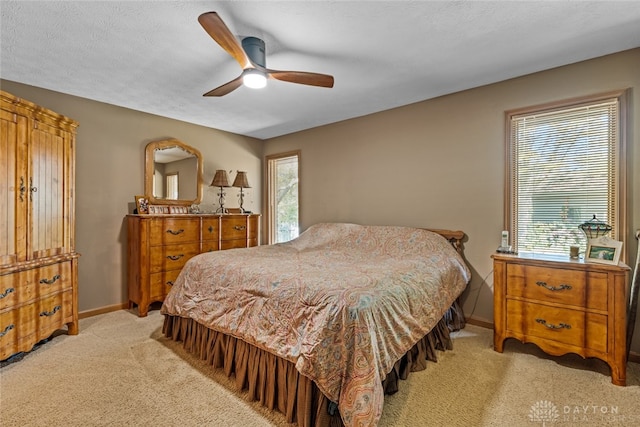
[{"x": 453, "y": 236}]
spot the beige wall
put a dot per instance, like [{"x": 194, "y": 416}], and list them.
[
  {"x": 110, "y": 172},
  {"x": 440, "y": 163}
]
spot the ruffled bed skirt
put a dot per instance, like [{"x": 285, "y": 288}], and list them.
[{"x": 276, "y": 383}]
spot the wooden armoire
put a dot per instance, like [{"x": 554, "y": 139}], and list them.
[{"x": 38, "y": 260}]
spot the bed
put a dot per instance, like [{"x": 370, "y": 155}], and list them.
[{"x": 321, "y": 327}]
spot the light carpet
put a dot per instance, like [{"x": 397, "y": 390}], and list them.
[{"x": 121, "y": 371}]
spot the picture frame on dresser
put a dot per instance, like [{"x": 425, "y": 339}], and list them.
[
  {"x": 603, "y": 250},
  {"x": 178, "y": 210},
  {"x": 142, "y": 205},
  {"x": 158, "y": 209}
]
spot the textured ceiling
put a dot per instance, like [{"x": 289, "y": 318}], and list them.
[{"x": 154, "y": 56}]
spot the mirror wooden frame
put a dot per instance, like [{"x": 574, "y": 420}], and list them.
[{"x": 149, "y": 169}]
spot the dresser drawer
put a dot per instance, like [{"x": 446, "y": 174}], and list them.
[
  {"x": 253, "y": 229},
  {"x": 563, "y": 286},
  {"x": 166, "y": 231},
  {"x": 234, "y": 228},
  {"x": 233, "y": 244},
  {"x": 23, "y": 327},
  {"x": 210, "y": 235},
  {"x": 23, "y": 286},
  {"x": 210, "y": 246},
  {"x": 210, "y": 229},
  {"x": 15, "y": 288},
  {"x": 171, "y": 257},
  {"x": 53, "y": 313},
  {"x": 161, "y": 283},
  {"x": 565, "y": 326},
  {"x": 14, "y": 335}
]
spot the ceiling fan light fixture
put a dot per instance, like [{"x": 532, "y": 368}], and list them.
[
  {"x": 250, "y": 54},
  {"x": 254, "y": 79}
]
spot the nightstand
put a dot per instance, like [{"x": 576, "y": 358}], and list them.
[{"x": 563, "y": 306}]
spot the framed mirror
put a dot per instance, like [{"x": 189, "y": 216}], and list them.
[{"x": 173, "y": 173}]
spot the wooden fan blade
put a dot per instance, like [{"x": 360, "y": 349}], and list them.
[
  {"x": 226, "y": 88},
  {"x": 216, "y": 28},
  {"x": 302, "y": 77}
]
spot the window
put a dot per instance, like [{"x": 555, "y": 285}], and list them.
[
  {"x": 565, "y": 163},
  {"x": 282, "y": 197}
]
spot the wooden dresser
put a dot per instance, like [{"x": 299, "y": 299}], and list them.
[
  {"x": 563, "y": 306},
  {"x": 38, "y": 262},
  {"x": 160, "y": 245}
]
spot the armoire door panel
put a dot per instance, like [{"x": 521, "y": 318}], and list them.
[
  {"x": 49, "y": 233},
  {"x": 12, "y": 190}
]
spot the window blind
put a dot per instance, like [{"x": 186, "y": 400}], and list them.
[{"x": 564, "y": 169}]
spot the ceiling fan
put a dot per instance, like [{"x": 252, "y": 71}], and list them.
[{"x": 250, "y": 54}]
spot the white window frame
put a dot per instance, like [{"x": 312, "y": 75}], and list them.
[{"x": 270, "y": 198}]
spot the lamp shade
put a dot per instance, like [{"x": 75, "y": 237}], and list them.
[
  {"x": 594, "y": 228},
  {"x": 241, "y": 180},
  {"x": 221, "y": 179}
]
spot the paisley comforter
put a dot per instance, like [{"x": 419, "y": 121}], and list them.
[{"x": 343, "y": 302}]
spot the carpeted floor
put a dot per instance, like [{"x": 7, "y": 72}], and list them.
[{"x": 120, "y": 371}]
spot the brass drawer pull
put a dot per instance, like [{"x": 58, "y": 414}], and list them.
[
  {"x": 169, "y": 282},
  {"x": 554, "y": 288},
  {"x": 175, "y": 233},
  {"x": 7, "y": 292},
  {"x": 52, "y": 312},
  {"x": 552, "y": 326},
  {"x": 6, "y": 330},
  {"x": 175, "y": 257},
  {"x": 239, "y": 227},
  {"x": 53, "y": 280}
]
